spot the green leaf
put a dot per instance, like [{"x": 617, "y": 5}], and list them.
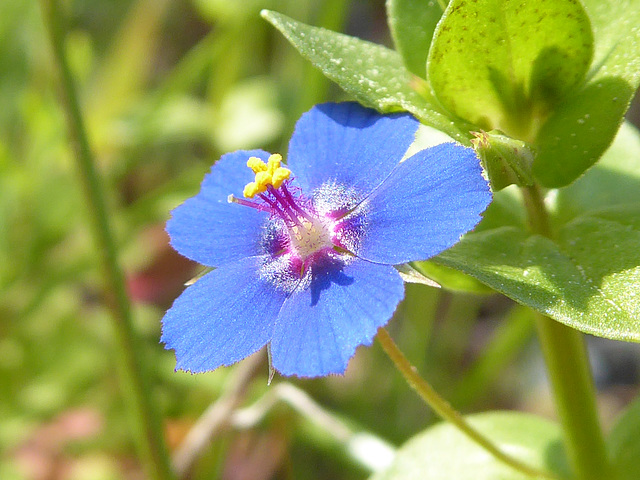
[
  {"x": 614, "y": 180},
  {"x": 451, "y": 279},
  {"x": 373, "y": 74},
  {"x": 587, "y": 278},
  {"x": 617, "y": 45},
  {"x": 504, "y": 63},
  {"x": 583, "y": 126},
  {"x": 443, "y": 453},
  {"x": 613, "y": 183},
  {"x": 412, "y": 24},
  {"x": 580, "y": 130},
  {"x": 624, "y": 443},
  {"x": 409, "y": 274}
]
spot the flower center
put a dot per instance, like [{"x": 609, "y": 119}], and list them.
[
  {"x": 309, "y": 237},
  {"x": 307, "y": 232}
]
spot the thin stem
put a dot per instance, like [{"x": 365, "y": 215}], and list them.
[
  {"x": 567, "y": 362},
  {"x": 568, "y": 367},
  {"x": 446, "y": 411},
  {"x": 536, "y": 211},
  {"x": 323, "y": 428},
  {"x": 133, "y": 375}
]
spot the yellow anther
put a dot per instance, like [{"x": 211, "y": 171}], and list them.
[
  {"x": 270, "y": 173},
  {"x": 256, "y": 165},
  {"x": 279, "y": 176},
  {"x": 263, "y": 178},
  {"x": 274, "y": 162},
  {"x": 252, "y": 189}
]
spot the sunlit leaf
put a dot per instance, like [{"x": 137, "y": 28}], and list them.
[
  {"x": 373, "y": 74},
  {"x": 614, "y": 180},
  {"x": 584, "y": 125},
  {"x": 580, "y": 130},
  {"x": 444, "y": 453},
  {"x": 504, "y": 63},
  {"x": 451, "y": 279},
  {"x": 412, "y": 24},
  {"x": 587, "y": 278}
]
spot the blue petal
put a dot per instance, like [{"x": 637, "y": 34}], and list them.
[
  {"x": 224, "y": 317},
  {"x": 424, "y": 207},
  {"x": 320, "y": 327},
  {"x": 348, "y": 144},
  {"x": 210, "y": 230}
]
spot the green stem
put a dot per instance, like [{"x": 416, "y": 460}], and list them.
[
  {"x": 446, "y": 411},
  {"x": 568, "y": 367},
  {"x": 133, "y": 375},
  {"x": 536, "y": 211}
]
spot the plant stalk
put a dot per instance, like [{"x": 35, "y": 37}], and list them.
[
  {"x": 132, "y": 371},
  {"x": 446, "y": 411},
  {"x": 569, "y": 372}
]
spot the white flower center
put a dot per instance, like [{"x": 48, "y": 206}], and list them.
[{"x": 309, "y": 236}]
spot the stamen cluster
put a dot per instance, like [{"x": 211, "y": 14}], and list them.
[
  {"x": 267, "y": 174},
  {"x": 307, "y": 232}
]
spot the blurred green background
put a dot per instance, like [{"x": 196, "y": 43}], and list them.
[{"x": 167, "y": 86}]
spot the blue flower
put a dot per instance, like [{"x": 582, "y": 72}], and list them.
[{"x": 304, "y": 253}]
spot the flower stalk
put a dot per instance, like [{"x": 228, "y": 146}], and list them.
[
  {"x": 569, "y": 372},
  {"x": 446, "y": 411},
  {"x": 132, "y": 371}
]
